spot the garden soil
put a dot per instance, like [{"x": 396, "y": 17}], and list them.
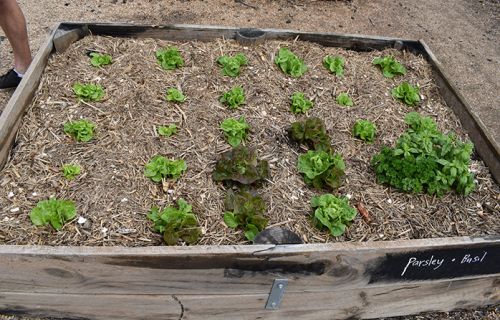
[{"x": 463, "y": 35}]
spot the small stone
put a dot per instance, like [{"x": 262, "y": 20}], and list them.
[
  {"x": 123, "y": 200},
  {"x": 104, "y": 230},
  {"x": 348, "y": 196},
  {"x": 16, "y": 209},
  {"x": 34, "y": 194},
  {"x": 10, "y": 195},
  {"x": 82, "y": 220},
  {"x": 389, "y": 201}
]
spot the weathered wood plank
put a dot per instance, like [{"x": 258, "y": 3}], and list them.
[
  {"x": 64, "y": 36},
  {"x": 364, "y": 303},
  {"x": 484, "y": 143},
  {"x": 361, "y": 303},
  {"x": 13, "y": 112},
  {"x": 237, "y": 269},
  {"x": 77, "y": 306},
  {"x": 205, "y": 33}
]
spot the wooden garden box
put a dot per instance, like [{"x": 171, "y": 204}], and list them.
[{"x": 307, "y": 281}]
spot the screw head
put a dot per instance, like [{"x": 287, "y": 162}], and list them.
[
  {"x": 273, "y": 304},
  {"x": 280, "y": 285}
]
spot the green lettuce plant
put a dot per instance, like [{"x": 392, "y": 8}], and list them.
[
  {"x": 246, "y": 211},
  {"x": 176, "y": 224},
  {"x": 54, "y": 212},
  {"x": 289, "y": 63},
  {"x": 332, "y": 212},
  {"x": 160, "y": 167}
]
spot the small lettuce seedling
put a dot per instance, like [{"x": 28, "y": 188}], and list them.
[
  {"x": 88, "y": 92},
  {"x": 389, "y": 66},
  {"x": 332, "y": 212},
  {"x": 235, "y": 130},
  {"x": 407, "y": 93},
  {"x": 160, "y": 167},
  {"x": 231, "y": 65},
  {"x": 334, "y": 64},
  {"x": 176, "y": 223},
  {"x": 99, "y": 60},
  {"x": 53, "y": 211},
  {"x": 169, "y": 58},
  {"x": 245, "y": 210},
  {"x": 365, "y": 130},
  {"x": 321, "y": 169},
  {"x": 233, "y": 98},
  {"x": 165, "y": 131},
  {"x": 70, "y": 171},
  {"x": 240, "y": 165},
  {"x": 311, "y": 132},
  {"x": 344, "y": 100},
  {"x": 175, "y": 95},
  {"x": 80, "y": 130},
  {"x": 299, "y": 103},
  {"x": 289, "y": 63}
]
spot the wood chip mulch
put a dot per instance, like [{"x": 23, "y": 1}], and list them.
[{"x": 114, "y": 197}]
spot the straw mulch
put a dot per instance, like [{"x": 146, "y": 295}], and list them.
[{"x": 114, "y": 197}]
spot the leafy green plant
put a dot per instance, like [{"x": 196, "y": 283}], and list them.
[
  {"x": 334, "y": 64},
  {"x": 407, "y": 93},
  {"x": 231, "y": 65},
  {"x": 289, "y": 63},
  {"x": 165, "y": 131},
  {"x": 245, "y": 210},
  {"x": 332, "y": 212},
  {"x": 175, "y": 95},
  {"x": 70, "y": 171},
  {"x": 81, "y": 130},
  {"x": 344, "y": 100},
  {"x": 176, "y": 223},
  {"x": 389, "y": 66},
  {"x": 99, "y": 60},
  {"x": 240, "y": 165},
  {"x": 53, "y": 211},
  {"x": 321, "y": 169},
  {"x": 425, "y": 160},
  {"x": 233, "y": 98},
  {"x": 311, "y": 132},
  {"x": 299, "y": 103},
  {"x": 235, "y": 130},
  {"x": 365, "y": 130},
  {"x": 169, "y": 58},
  {"x": 160, "y": 167},
  {"x": 88, "y": 92}
]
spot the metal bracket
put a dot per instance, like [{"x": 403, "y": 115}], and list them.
[{"x": 276, "y": 294}]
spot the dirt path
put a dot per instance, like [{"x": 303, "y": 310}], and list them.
[{"x": 463, "y": 34}]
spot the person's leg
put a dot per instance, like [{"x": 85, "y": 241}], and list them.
[{"x": 14, "y": 25}]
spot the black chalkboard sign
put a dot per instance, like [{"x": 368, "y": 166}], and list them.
[{"x": 436, "y": 264}]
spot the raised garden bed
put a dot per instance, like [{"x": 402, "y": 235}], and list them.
[{"x": 113, "y": 196}]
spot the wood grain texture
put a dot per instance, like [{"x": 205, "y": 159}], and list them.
[
  {"x": 77, "y": 306},
  {"x": 64, "y": 37},
  {"x": 361, "y": 303},
  {"x": 11, "y": 117},
  {"x": 210, "y": 269}
]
